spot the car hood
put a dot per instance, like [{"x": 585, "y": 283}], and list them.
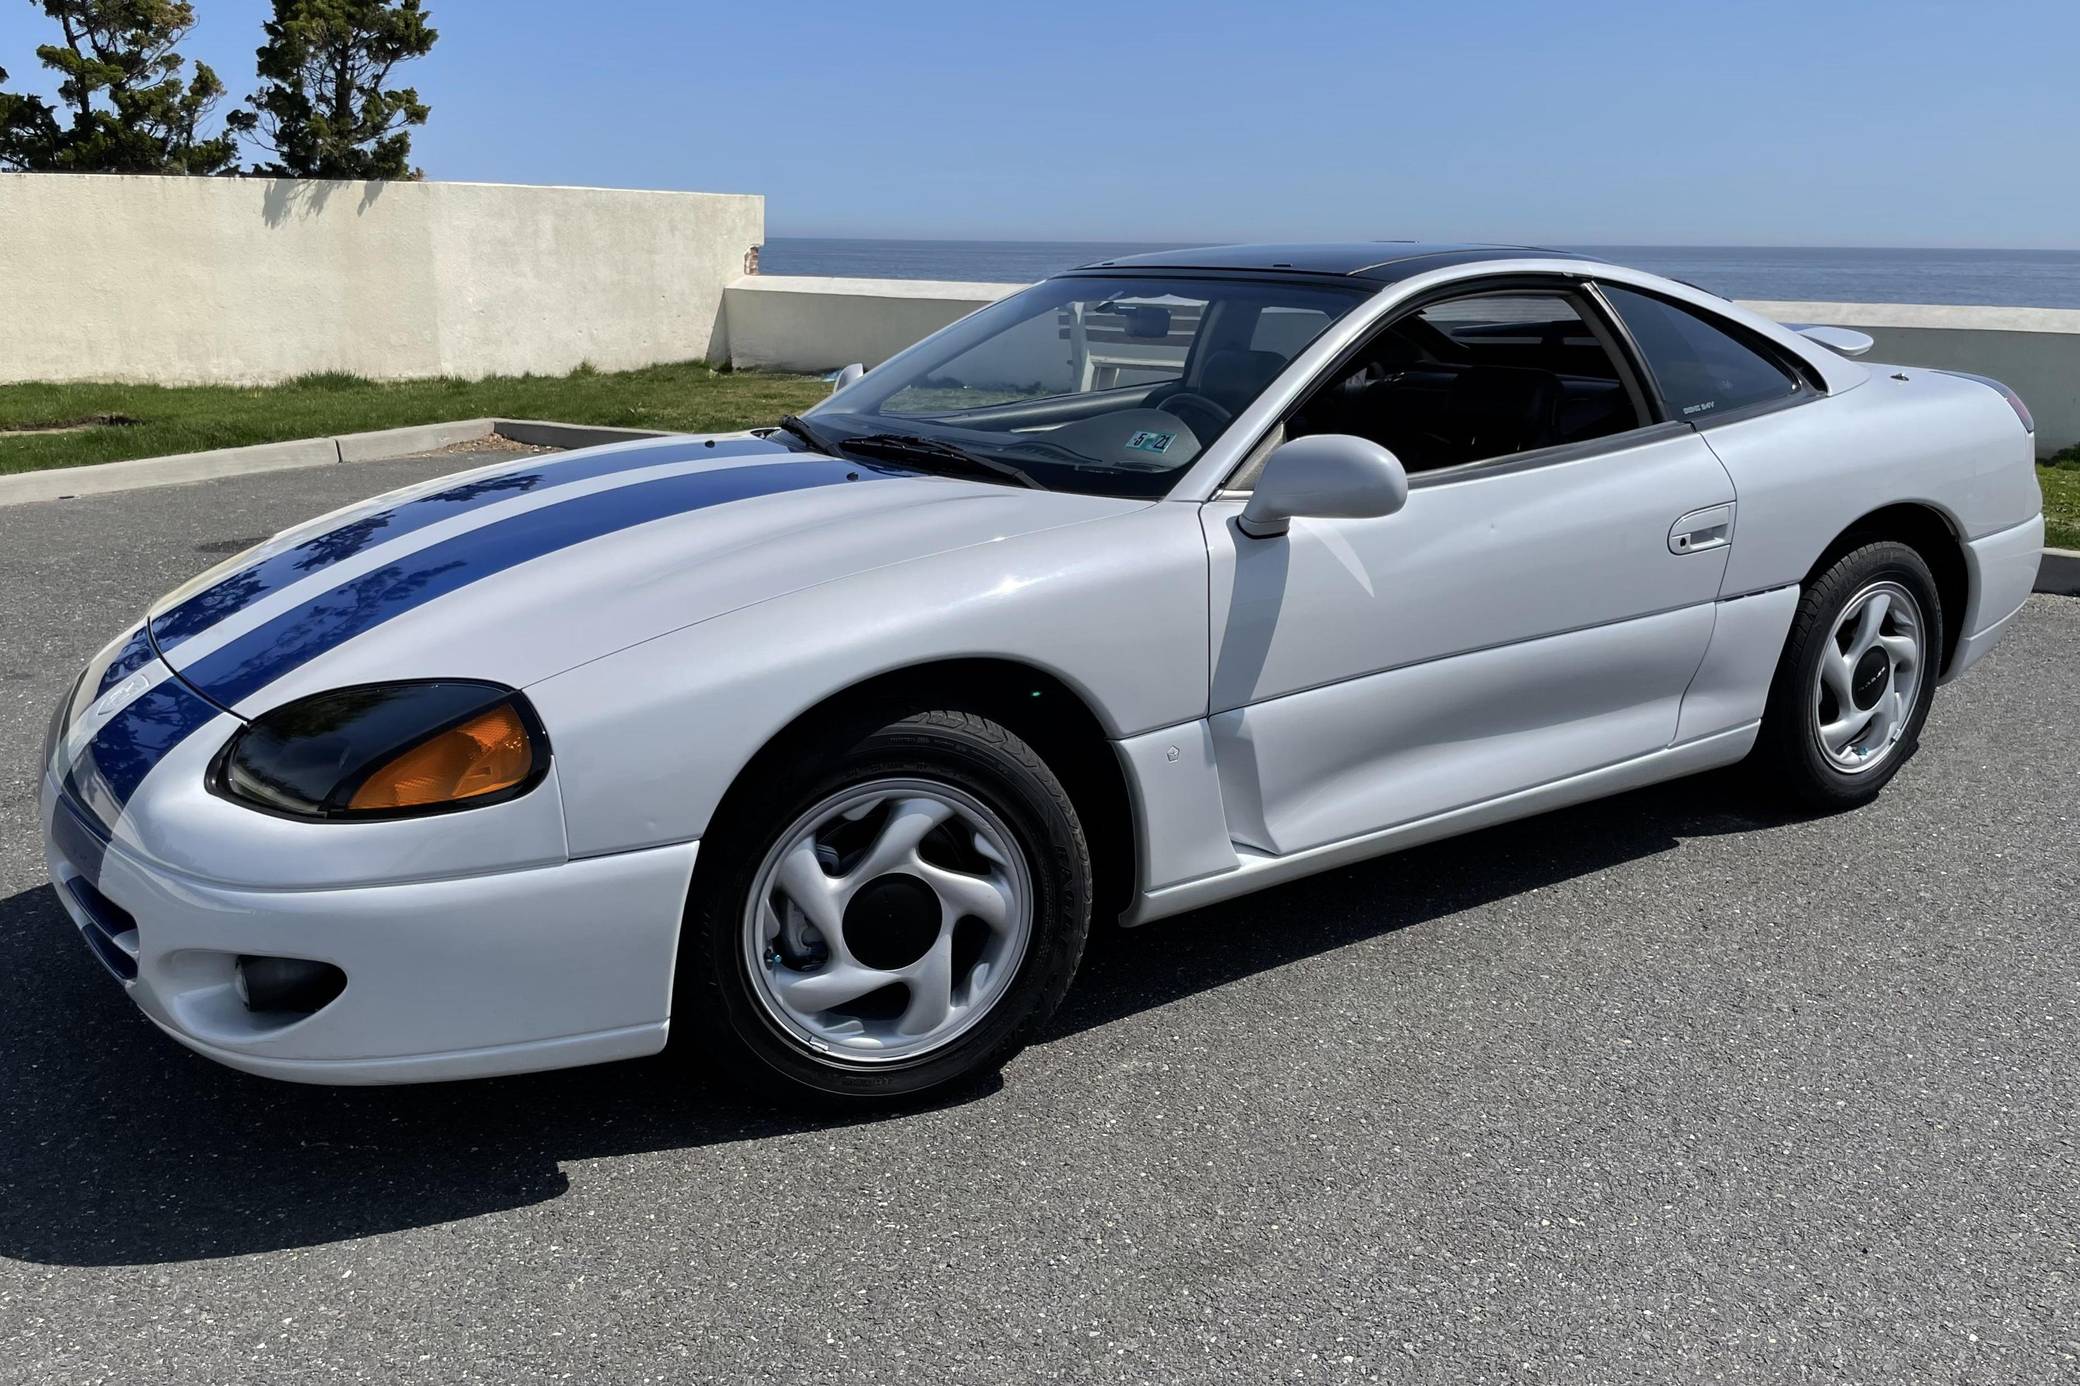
[{"x": 524, "y": 569}]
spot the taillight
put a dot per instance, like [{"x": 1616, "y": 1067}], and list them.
[{"x": 2029, "y": 425}]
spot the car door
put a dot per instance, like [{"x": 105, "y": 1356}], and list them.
[{"x": 1526, "y": 617}]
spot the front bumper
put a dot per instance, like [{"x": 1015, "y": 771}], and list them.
[{"x": 497, "y": 972}]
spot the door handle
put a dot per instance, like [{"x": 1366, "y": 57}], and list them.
[{"x": 1710, "y": 528}]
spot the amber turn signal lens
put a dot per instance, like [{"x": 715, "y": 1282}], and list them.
[{"x": 488, "y": 753}]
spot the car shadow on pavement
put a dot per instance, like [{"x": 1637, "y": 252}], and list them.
[{"x": 120, "y": 1148}]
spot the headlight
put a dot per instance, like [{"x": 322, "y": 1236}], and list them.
[
  {"x": 61, "y": 718},
  {"x": 387, "y": 750}
]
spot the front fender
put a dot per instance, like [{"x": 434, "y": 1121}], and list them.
[{"x": 650, "y": 738}]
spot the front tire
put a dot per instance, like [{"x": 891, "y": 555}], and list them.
[
  {"x": 1856, "y": 679},
  {"x": 899, "y": 914}
]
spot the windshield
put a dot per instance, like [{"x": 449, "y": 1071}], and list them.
[{"x": 1106, "y": 385}]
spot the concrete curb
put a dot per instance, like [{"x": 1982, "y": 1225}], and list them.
[
  {"x": 64, "y": 482},
  {"x": 542, "y": 433},
  {"x": 2059, "y": 573},
  {"x": 68, "y": 483},
  {"x": 383, "y": 443}
]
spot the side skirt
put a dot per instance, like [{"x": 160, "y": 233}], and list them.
[{"x": 1256, "y": 871}]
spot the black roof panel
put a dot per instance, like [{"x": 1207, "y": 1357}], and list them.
[{"x": 1384, "y": 261}]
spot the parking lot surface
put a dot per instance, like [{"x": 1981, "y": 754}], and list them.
[{"x": 1668, "y": 1088}]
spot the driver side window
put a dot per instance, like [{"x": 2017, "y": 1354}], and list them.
[{"x": 1478, "y": 378}]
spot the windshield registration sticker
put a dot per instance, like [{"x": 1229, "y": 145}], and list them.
[{"x": 1144, "y": 441}]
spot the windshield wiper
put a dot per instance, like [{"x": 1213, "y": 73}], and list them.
[
  {"x": 915, "y": 447},
  {"x": 793, "y": 424}
]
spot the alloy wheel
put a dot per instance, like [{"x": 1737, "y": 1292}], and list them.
[
  {"x": 1870, "y": 674},
  {"x": 887, "y": 920}
]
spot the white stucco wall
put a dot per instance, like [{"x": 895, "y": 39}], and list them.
[
  {"x": 194, "y": 280},
  {"x": 805, "y": 324}
]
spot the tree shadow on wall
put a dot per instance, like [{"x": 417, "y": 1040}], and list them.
[{"x": 287, "y": 199}]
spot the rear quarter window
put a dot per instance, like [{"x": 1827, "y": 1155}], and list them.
[{"x": 1702, "y": 370}]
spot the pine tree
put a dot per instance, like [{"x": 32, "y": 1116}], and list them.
[
  {"x": 324, "y": 109},
  {"x": 28, "y": 130},
  {"x": 129, "y": 106}
]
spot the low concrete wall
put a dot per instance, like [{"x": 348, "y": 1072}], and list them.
[
  {"x": 236, "y": 280},
  {"x": 803, "y": 324},
  {"x": 796, "y": 323}
]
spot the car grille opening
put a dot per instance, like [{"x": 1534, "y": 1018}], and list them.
[{"x": 109, "y": 929}]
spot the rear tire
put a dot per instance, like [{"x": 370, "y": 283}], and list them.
[
  {"x": 896, "y": 912},
  {"x": 1856, "y": 679}
]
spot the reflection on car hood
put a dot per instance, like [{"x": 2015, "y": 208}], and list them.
[{"x": 527, "y": 568}]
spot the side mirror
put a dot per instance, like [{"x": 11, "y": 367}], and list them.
[
  {"x": 1331, "y": 476},
  {"x": 847, "y": 376}
]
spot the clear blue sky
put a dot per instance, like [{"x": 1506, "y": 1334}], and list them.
[{"x": 1842, "y": 122}]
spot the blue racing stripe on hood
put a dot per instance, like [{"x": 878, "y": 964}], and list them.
[
  {"x": 136, "y": 652},
  {"x": 119, "y": 756},
  {"x": 241, "y": 589},
  {"x": 246, "y": 665}
]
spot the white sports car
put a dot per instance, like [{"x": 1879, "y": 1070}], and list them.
[{"x": 1167, "y": 579}]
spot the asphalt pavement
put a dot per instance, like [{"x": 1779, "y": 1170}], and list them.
[{"x": 1672, "y": 1087}]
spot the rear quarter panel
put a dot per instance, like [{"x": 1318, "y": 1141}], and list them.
[{"x": 1804, "y": 475}]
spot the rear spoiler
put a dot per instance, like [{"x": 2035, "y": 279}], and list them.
[{"x": 1837, "y": 339}]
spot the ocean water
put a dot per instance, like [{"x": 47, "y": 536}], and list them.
[{"x": 2007, "y": 278}]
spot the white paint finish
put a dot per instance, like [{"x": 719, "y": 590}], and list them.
[
  {"x": 326, "y": 577},
  {"x": 1365, "y": 754},
  {"x": 1178, "y": 813},
  {"x": 810, "y": 324},
  {"x": 1519, "y": 637},
  {"x": 211, "y": 280},
  {"x": 1483, "y": 559},
  {"x": 2034, "y": 351},
  {"x": 1806, "y": 473},
  {"x": 1115, "y": 607},
  {"x": 546, "y": 959},
  {"x": 610, "y": 593},
  {"x": 1733, "y": 682},
  {"x": 1973, "y": 648},
  {"x": 1258, "y": 872},
  {"x": 490, "y": 1061},
  {"x": 1838, "y": 339},
  {"x": 2003, "y": 570}
]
